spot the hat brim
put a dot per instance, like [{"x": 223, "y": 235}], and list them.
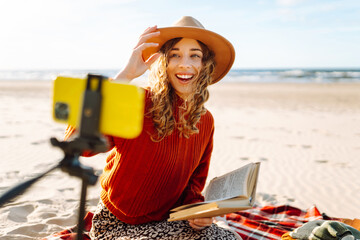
[{"x": 223, "y": 49}]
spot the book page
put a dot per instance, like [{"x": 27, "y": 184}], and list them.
[
  {"x": 232, "y": 184},
  {"x": 229, "y": 186}
]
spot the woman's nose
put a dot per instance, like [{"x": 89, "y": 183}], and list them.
[{"x": 185, "y": 62}]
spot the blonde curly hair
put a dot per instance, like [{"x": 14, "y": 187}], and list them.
[{"x": 163, "y": 95}]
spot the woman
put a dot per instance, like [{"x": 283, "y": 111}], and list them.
[{"x": 167, "y": 165}]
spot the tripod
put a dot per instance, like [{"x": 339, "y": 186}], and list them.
[{"x": 89, "y": 139}]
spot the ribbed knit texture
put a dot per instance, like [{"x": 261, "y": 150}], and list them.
[{"x": 143, "y": 180}]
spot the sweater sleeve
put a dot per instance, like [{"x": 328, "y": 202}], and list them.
[{"x": 192, "y": 192}]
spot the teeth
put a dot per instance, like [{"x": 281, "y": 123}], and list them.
[{"x": 184, "y": 76}]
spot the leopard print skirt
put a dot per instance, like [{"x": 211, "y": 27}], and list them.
[{"x": 106, "y": 226}]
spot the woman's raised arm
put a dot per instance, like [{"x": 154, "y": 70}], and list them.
[{"x": 136, "y": 65}]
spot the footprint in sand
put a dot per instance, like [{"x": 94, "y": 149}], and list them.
[
  {"x": 45, "y": 201},
  {"x": 16, "y": 136},
  {"x": 12, "y": 174},
  {"x": 321, "y": 161},
  {"x": 342, "y": 164},
  {"x": 306, "y": 146},
  {"x": 39, "y": 142},
  {"x": 39, "y": 227},
  {"x": 65, "y": 189},
  {"x": 62, "y": 220},
  {"x": 266, "y": 197},
  {"x": 239, "y": 137},
  {"x": 20, "y": 213}
]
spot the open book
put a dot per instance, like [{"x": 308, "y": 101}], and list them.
[{"x": 229, "y": 193}]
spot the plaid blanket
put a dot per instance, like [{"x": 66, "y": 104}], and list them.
[{"x": 269, "y": 222}]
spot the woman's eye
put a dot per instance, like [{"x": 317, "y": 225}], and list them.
[
  {"x": 196, "y": 56},
  {"x": 174, "y": 55}
]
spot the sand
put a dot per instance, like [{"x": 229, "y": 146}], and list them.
[{"x": 306, "y": 136}]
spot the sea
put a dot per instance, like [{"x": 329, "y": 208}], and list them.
[{"x": 290, "y": 75}]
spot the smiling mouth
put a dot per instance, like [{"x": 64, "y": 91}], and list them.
[{"x": 184, "y": 77}]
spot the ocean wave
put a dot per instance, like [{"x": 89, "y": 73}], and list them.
[{"x": 295, "y": 75}]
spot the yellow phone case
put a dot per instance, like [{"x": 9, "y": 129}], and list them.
[{"x": 122, "y": 107}]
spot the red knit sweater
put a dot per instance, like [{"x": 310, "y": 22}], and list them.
[{"x": 143, "y": 180}]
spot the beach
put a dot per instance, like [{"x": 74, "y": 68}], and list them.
[{"x": 306, "y": 136}]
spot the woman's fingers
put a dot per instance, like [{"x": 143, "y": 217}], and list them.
[
  {"x": 200, "y": 223},
  {"x": 194, "y": 226},
  {"x": 148, "y": 33},
  {"x": 143, "y": 46},
  {"x": 152, "y": 59},
  {"x": 149, "y": 29},
  {"x": 203, "y": 221},
  {"x": 143, "y": 38},
  {"x": 136, "y": 65}
]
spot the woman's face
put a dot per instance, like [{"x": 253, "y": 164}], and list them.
[{"x": 184, "y": 65}]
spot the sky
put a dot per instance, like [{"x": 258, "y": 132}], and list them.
[{"x": 100, "y": 34}]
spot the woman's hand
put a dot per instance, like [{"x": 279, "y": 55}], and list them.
[
  {"x": 137, "y": 65},
  {"x": 200, "y": 223}
]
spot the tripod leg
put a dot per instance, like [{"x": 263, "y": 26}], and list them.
[
  {"x": 82, "y": 210},
  {"x": 22, "y": 187}
]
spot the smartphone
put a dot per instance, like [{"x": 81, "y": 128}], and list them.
[{"x": 122, "y": 105}]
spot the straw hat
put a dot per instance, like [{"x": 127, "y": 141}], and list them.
[{"x": 189, "y": 27}]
